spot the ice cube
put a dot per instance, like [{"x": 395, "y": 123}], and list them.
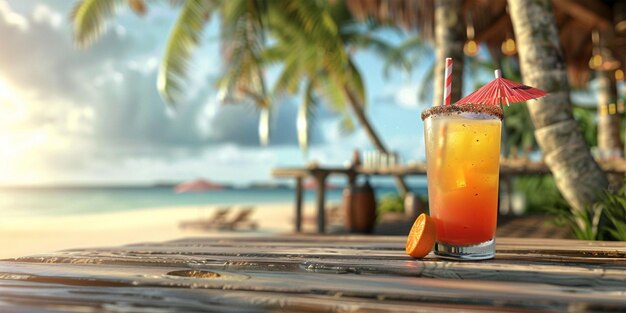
[{"x": 453, "y": 177}]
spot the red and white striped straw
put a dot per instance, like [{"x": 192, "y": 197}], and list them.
[{"x": 447, "y": 87}]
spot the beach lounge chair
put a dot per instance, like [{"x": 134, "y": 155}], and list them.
[
  {"x": 218, "y": 218},
  {"x": 242, "y": 218}
]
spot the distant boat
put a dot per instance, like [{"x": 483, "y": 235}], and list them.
[{"x": 198, "y": 185}]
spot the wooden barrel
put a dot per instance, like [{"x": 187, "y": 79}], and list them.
[{"x": 359, "y": 204}]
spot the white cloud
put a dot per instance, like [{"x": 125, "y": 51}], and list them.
[
  {"x": 11, "y": 18},
  {"x": 144, "y": 65},
  {"x": 404, "y": 95},
  {"x": 120, "y": 30},
  {"x": 43, "y": 14},
  {"x": 80, "y": 120},
  {"x": 206, "y": 115}
]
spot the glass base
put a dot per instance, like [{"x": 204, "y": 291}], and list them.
[{"x": 481, "y": 251}]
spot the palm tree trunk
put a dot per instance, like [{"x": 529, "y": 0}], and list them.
[
  {"x": 609, "y": 124},
  {"x": 622, "y": 104},
  {"x": 577, "y": 175},
  {"x": 449, "y": 41},
  {"x": 608, "y": 119},
  {"x": 357, "y": 107}
]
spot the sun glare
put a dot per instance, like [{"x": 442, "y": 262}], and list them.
[
  {"x": 15, "y": 141},
  {"x": 5, "y": 91},
  {"x": 11, "y": 104}
]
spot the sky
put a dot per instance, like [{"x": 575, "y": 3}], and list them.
[{"x": 94, "y": 116}]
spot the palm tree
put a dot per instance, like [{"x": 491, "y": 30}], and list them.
[
  {"x": 438, "y": 21},
  {"x": 449, "y": 41},
  {"x": 577, "y": 175},
  {"x": 542, "y": 65},
  {"x": 608, "y": 121},
  {"x": 311, "y": 45}
]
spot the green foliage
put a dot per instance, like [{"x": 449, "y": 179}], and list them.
[
  {"x": 390, "y": 203},
  {"x": 604, "y": 220},
  {"x": 243, "y": 41},
  {"x": 311, "y": 45},
  {"x": 182, "y": 41},
  {"x": 518, "y": 129},
  {"x": 583, "y": 224},
  {"x": 89, "y": 18},
  {"x": 310, "y": 40},
  {"x": 346, "y": 124},
  {"x": 405, "y": 56},
  {"x": 586, "y": 118},
  {"x": 613, "y": 208},
  {"x": 540, "y": 192}
]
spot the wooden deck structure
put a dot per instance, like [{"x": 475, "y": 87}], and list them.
[
  {"x": 508, "y": 168},
  {"x": 299, "y": 273}
]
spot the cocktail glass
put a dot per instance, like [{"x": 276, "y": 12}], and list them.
[{"x": 462, "y": 157}]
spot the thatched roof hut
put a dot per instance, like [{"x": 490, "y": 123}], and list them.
[{"x": 577, "y": 20}]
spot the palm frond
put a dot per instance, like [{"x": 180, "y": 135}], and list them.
[
  {"x": 242, "y": 44},
  {"x": 332, "y": 93},
  {"x": 183, "y": 40},
  {"x": 275, "y": 54},
  {"x": 613, "y": 208},
  {"x": 289, "y": 78},
  {"x": 356, "y": 83},
  {"x": 346, "y": 124},
  {"x": 392, "y": 56},
  {"x": 315, "y": 24},
  {"x": 89, "y": 18},
  {"x": 406, "y": 55}
]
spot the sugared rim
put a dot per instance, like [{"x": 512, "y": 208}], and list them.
[{"x": 490, "y": 109}]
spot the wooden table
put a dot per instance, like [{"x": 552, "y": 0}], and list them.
[{"x": 295, "y": 273}]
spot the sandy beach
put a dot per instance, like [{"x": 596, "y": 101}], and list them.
[{"x": 34, "y": 235}]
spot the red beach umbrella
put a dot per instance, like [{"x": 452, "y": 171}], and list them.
[
  {"x": 500, "y": 91},
  {"x": 198, "y": 185}
]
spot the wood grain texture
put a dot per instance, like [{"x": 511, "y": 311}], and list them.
[{"x": 308, "y": 273}]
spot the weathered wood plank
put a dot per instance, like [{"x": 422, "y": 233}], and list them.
[
  {"x": 317, "y": 273},
  {"x": 341, "y": 257},
  {"x": 546, "y": 249},
  {"x": 585, "y": 248},
  {"x": 582, "y": 275},
  {"x": 402, "y": 289},
  {"x": 203, "y": 300}
]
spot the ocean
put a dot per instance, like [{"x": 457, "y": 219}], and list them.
[
  {"x": 45, "y": 219},
  {"x": 50, "y": 201}
]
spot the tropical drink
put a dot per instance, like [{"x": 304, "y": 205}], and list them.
[{"x": 462, "y": 156}]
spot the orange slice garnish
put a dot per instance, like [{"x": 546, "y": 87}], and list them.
[{"x": 421, "y": 237}]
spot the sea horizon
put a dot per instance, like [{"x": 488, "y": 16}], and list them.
[{"x": 25, "y": 201}]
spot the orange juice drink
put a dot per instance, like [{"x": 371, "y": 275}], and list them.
[{"x": 462, "y": 156}]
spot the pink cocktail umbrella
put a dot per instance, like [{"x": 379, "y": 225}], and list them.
[{"x": 500, "y": 91}]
